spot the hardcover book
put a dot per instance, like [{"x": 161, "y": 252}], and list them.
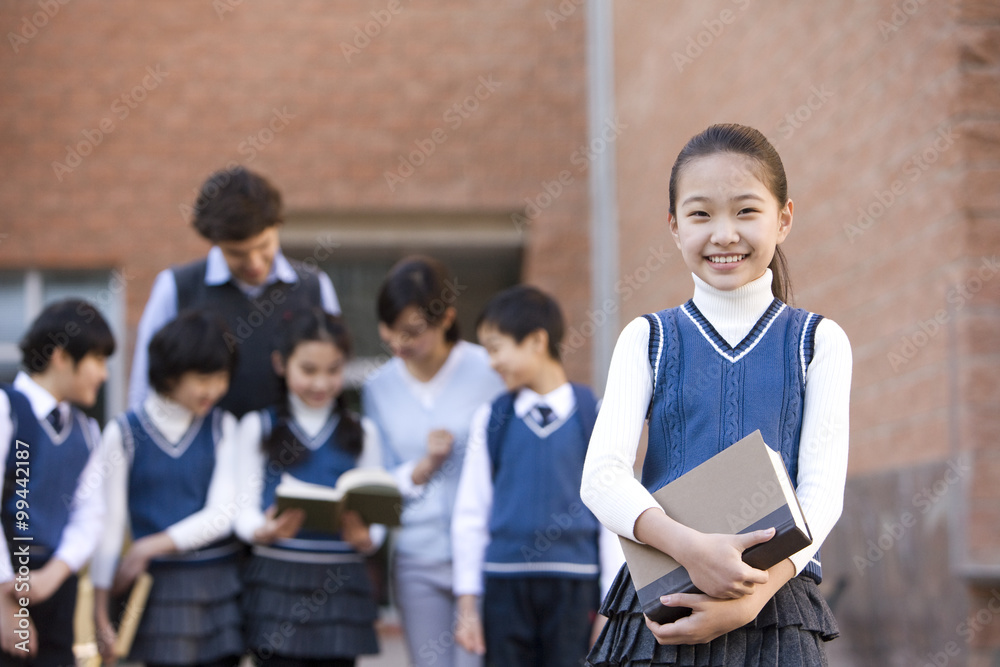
[
  {"x": 741, "y": 489},
  {"x": 370, "y": 492}
]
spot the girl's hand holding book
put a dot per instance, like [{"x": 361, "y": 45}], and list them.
[
  {"x": 283, "y": 526},
  {"x": 713, "y": 617},
  {"x": 355, "y": 532},
  {"x": 715, "y": 563}
]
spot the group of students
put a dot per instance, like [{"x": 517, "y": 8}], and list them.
[{"x": 507, "y": 469}]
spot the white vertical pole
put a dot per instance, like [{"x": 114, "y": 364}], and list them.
[{"x": 603, "y": 190}]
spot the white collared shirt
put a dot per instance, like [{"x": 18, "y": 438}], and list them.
[{"x": 82, "y": 531}]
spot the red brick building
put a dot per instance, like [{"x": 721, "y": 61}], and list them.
[{"x": 462, "y": 129}]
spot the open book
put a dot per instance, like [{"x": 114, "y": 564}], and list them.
[
  {"x": 371, "y": 492},
  {"x": 741, "y": 489}
]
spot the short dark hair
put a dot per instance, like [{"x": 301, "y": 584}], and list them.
[
  {"x": 194, "y": 341},
  {"x": 236, "y": 204},
  {"x": 418, "y": 281},
  {"x": 517, "y": 311},
  {"x": 74, "y": 325}
]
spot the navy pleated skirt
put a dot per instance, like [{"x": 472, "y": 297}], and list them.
[
  {"x": 192, "y": 615},
  {"x": 309, "y": 610},
  {"x": 789, "y": 631}
]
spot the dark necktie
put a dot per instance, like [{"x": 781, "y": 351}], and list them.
[
  {"x": 55, "y": 419},
  {"x": 545, "y": 416}
]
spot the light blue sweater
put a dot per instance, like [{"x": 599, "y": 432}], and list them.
[{"x": 392, "y": 400}]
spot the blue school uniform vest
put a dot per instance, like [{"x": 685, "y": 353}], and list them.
[
  {"x": 253, "y": 325},
  {"x": 323, "y": 463},
  {"x": 708, "y": 395},
  {"x": 51, "y": 472},
  {"x": 167, "y": 482},
  {"x": 538, "y": 525}
]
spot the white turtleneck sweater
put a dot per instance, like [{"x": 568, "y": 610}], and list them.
[
  {"x": 823, "y": 442},
  {"x": 253, "y": 459},
  {"x": 211, "y": 523}
]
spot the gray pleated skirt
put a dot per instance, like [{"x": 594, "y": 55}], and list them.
[
  {"x": 309, "y": 610},
  {"x": 192, "y": 614},
  {"x": 789, "y": 631}
]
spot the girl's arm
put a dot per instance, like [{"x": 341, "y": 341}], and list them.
[
  {"x": 823, "y": 442},
  {"x": 623, "y": 504},
  {"x": 105, "y": 561},
  {"x": 109, "y": 547},
  {"x": 249, "y": 478}
]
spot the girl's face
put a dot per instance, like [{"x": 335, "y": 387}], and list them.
[
  {"x": 727, "y": 222},
  {"x": 411, "y": 337},
  {"x": 198, "y": 392},
  {"x": 314, "y": 372}
]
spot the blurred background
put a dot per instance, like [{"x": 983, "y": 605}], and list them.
[{"x": 532, "y": 141}]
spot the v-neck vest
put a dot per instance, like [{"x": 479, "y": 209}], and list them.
[
  {"x": 323, "y": 462},
  {"x": 168, "y": 481},
  {"x": 708, "y": 395},
  {"x": 43, "y": 469}
]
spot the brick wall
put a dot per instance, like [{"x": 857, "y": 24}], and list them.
[
  {"x": 325, "y": 99},
  {"x": 885, "y": 115}
]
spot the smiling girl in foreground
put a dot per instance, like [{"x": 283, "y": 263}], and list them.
[{"x": 732, "y": 360}]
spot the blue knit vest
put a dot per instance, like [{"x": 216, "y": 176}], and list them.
[
  {"x": 323, "y": 462},
  {"x": 48, "y": 467},
  {"x": 167, "y": 481},
  {"x": 708, "y": 395},
  {"x": 538, "y": 525}
]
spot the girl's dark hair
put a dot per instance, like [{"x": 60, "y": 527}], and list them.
[
  {"x": 418, "y": 281},
  {"x": 74, "y": 325},
  {"x": 236, "y": 204},
  {"x": 196, "y": 340},
  {"x": 766, "y": 166},
  {"x": 313, "y": 324},
  {"x": 517, "y": 311}
]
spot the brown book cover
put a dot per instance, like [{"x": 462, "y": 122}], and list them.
[
  {"x": 370, "y": 492},
  {"x": 741, "y": 489}
]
